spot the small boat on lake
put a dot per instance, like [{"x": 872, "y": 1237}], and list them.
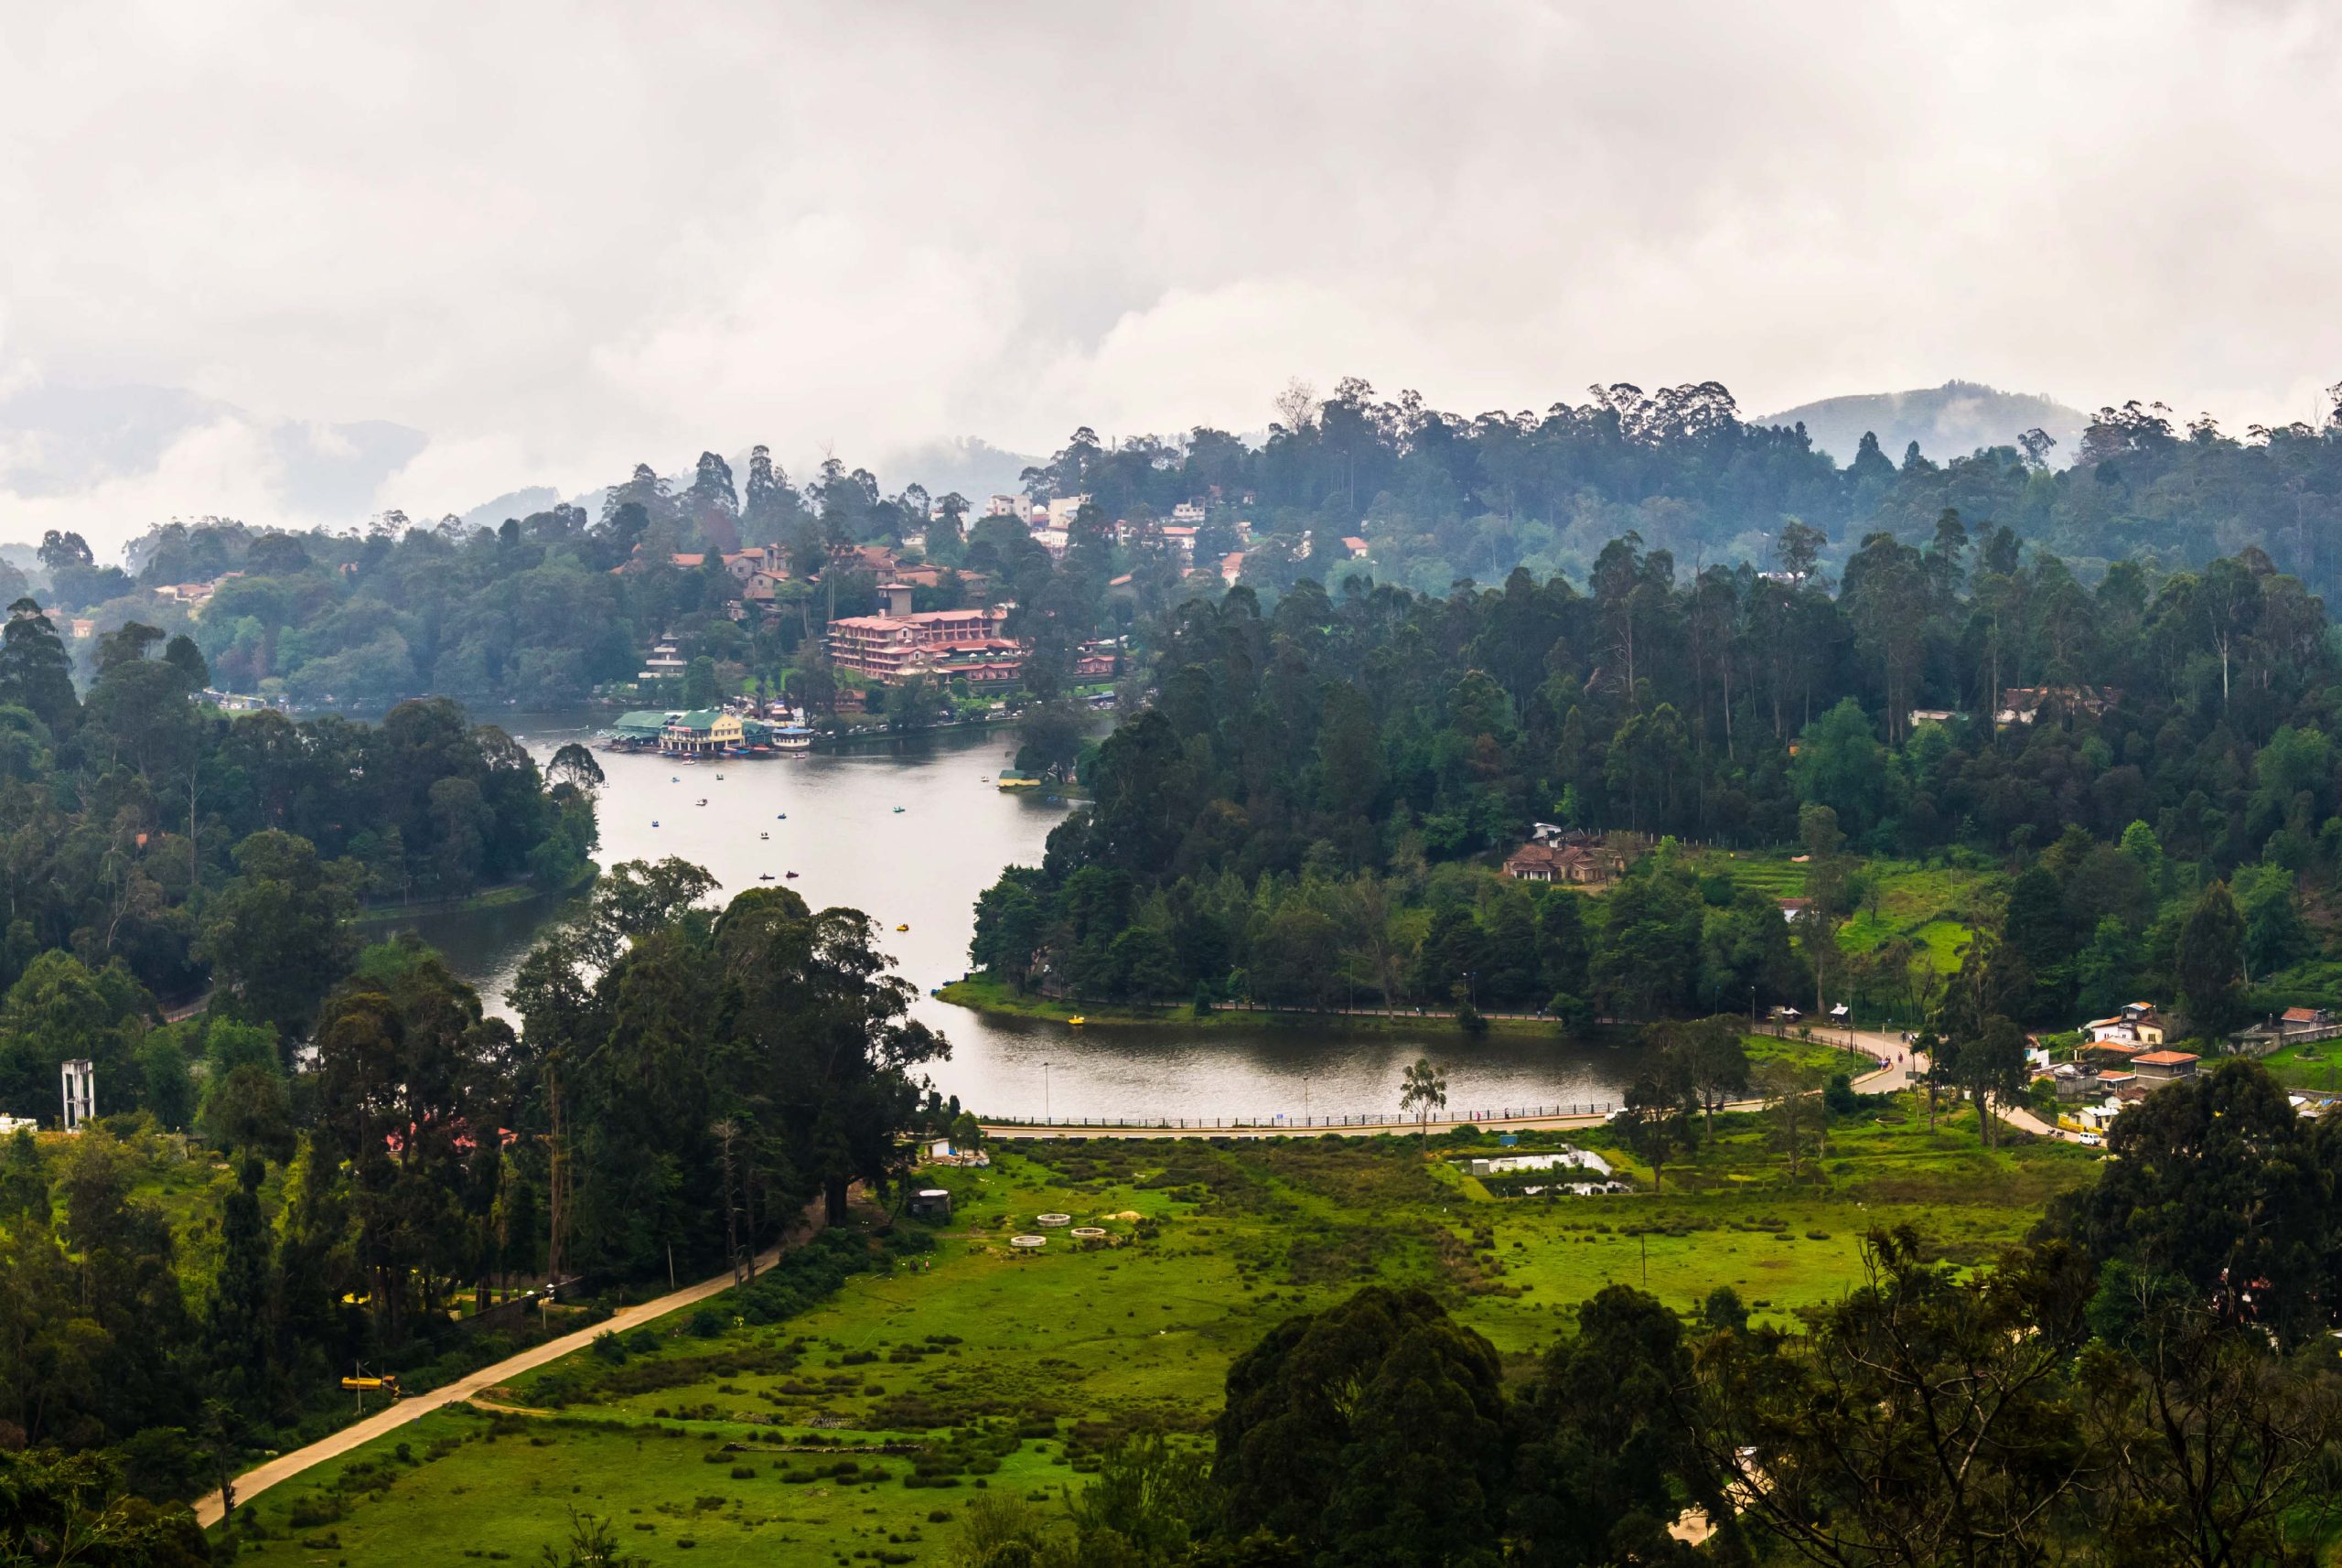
[
  {"x": 898, "y": 811},
  {"x": 902, "y": 927},
  {"x": 1077, "y": 1021},
  {"x": 764, "y": 836}
]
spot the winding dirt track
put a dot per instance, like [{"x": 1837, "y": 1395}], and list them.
[{"x": 284, "y": 1467}]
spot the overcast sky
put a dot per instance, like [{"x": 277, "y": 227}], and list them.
[{"x": 557, "y": 238}]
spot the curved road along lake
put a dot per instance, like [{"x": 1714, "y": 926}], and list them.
[{"x": 922, "y": 866}]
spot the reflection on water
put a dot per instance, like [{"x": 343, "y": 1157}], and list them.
[{"x": 833, "y": 818}]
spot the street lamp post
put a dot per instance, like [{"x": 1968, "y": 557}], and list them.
[
  {"x": 1045, "y": 1091},
  {"x": 1304, "y": 1100}
]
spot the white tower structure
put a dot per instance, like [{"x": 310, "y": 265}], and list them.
[{"x": 80, "y": 1093}]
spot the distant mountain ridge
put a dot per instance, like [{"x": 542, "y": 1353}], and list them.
[{"x": 1949, "y": 420}]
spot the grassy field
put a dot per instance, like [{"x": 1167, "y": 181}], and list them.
[
  {"x": 1934, "y": 906},
  {"x": 1004, "y": 1370},
  {"x": 187, "y": 1182},
  {"x": 1818, "y": 1055},
  {"x": 2316, "y": 1067}
]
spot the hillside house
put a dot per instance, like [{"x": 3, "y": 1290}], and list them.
[
  {"x": 1574, "y": 864},
  {"x": 2074, "y": 1081},
  {"x": 666, "y": 661},
  {"x": 744, "y": 564},
  {"x": 2024, "y": 704},
  {"x": 2293, "y": 1026},
  {"x": 2164, "y": 1064},
  {"x": 2137, "y": 1024}
]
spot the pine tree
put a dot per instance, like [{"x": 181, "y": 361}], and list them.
[
  {"x": 2210, "y": 965},
  {"x": 237, "y": 1328},
  {"x": 36, "y": 672}
]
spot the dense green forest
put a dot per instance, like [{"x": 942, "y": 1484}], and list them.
[
  {"x": 151, "y": 845},
  {"x": 1310, "y": 810},
  {"x": 534, "y": 612},
  {"x": 687, "y": 1079}
]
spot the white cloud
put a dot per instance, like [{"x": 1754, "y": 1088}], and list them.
[
  {"x": 229, "y": 463},
  {"x": 562, "y": 238}
]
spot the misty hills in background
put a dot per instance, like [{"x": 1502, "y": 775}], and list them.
[
  {"x": 62, "y": 440},
  {"x": 969, "y": 465},
  {"x": 1949, "y": 420}
]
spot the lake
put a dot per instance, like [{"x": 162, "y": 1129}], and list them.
[{"x": 910, "y": 832}]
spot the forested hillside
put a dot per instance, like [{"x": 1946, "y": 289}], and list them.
[
  {"x": 152, "y": 846},
  {"x": 533, "y": 610},
  {"x": 1312, "y": 810}
]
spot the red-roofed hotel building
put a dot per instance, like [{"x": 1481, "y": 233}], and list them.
[{"x": 946, "y": 644}]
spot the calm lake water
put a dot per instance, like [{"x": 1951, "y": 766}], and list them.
[{"x": 922, "y": 866}]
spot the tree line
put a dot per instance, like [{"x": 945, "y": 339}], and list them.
[
  {"x": 1311, "y": 806},
  {"x": 152, "y": 846},
  {"x": 685, "y": 1081},
  {"x": 531, "y": 609}
]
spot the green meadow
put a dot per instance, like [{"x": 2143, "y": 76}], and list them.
[
  {"x": 854, "y": 1428},
  {"x": 1933, "y": 905}
]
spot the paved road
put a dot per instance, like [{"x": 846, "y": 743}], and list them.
[{"x": 284, "y": 1467}]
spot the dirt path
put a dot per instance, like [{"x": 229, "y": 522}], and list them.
[{"x": 284, "y": 1467}]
